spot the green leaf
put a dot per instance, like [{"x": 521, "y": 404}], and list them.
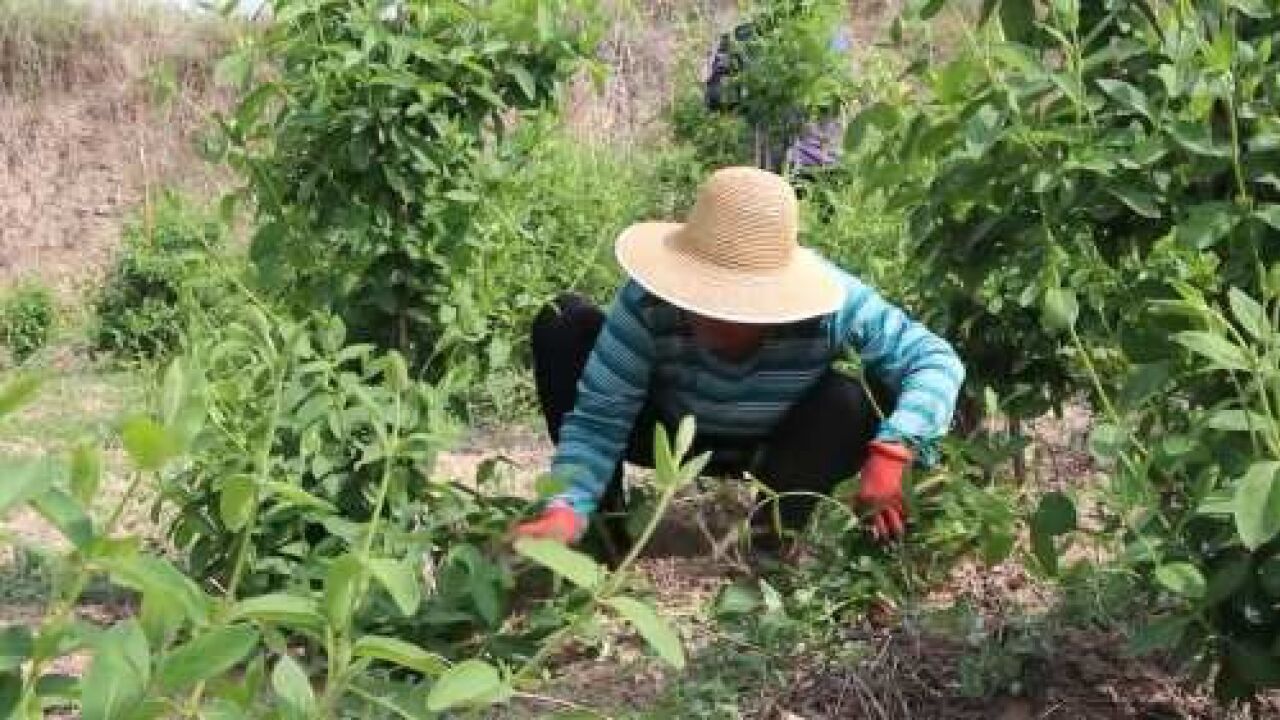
[
  {"x": 1257, "y": 504},
  {"x": 1215, "y": 348},
  {"x": 1060, "y": 310},
  {"x": 1130, "y": 97},
  {"x": 293, "y": 688},
  {"x": 652, "y": 628},
  {"x": 982, "y": 130},
  {"x": 399, "y": 652},
  {"x": 280, "y": 609},
  {"x": 148, "y": 445},
  {"x": 664, "y": 464},
  {"x": 882, "y": 116},
  {"x": 17, "y": 393},
  {"x": 685, "y": 433},
  {"x": 1045, "y": 551},
  {"x": 1237, "y": 420},
  {"x": 738, "y": 599},
  {"x": 15, "y": 647},
  {"x": 400, "y": 581},
  {"x": 1195, "y": 138},
  {"x": 1206, "y": 225},
  {"x": 1227, "y": 578},
  {"x": 1250, "y": 314},
  {"x": 23, "y": 479},
  {"x": 161, "y": 617},
  {"x": 86, "y": 472},
  {"x": 525, "y": 79},
  {"x": 471, "y": 682},
  {"x": 931, "y": 8},
  {"x": 153, "y": 576},
  {"x": 1140, "y": 201},
  {"x": 236, "y": 501},
  {"x": 1159, "y": 634},
  {"x": 118, "y": 675},
  {"x": 1182, "y": 579},
  {"x": 342, "y": 589},
  {"x": 234, "y": 70},
  {"x": 11, "y": 695},
  {"x": 549, "y": 485},
  {"x": 1269, "y": 214},
  {"x": 64, "y": 513},
  {"x": 1018, "y": 19},
  {"x": 1145, "y": 382},
  {"x": 294, "y": 495},
  {"x": 206, "y": 657},
  {"x": 578, "y": 568},
  {"x": 1055, "y": 515},
  {"x": 1256, "y": 9},
  {"x": 996, "y": 545}
]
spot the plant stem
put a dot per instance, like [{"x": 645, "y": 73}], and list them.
[
  {"x": 263, "y": 467},
  {"x": 605, "y": 589},
  {"x": 566, "y": 704}
]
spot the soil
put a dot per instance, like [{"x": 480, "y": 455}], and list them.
[{"x": 91, "y": 149}]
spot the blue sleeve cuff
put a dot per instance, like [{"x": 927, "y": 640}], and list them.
[{"x": 927, "y": 451}]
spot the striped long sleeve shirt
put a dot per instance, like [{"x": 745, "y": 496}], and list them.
[{"x": 647, "y": 348}]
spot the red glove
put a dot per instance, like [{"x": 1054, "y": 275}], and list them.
[
  {"x": 881, "y": 488},
  {"x": 557, "y": 522}
]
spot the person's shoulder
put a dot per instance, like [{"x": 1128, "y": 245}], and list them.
[{"x": 637, "y": 300}]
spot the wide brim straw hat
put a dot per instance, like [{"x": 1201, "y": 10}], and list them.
[{"x": 737, "y": 257}]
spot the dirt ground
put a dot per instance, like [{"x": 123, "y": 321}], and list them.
[{"x": 88, "y": 150}]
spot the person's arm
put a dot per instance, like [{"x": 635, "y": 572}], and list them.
[
  {"x": 924, "y": 373},
  {"x": 921, "y": 368},
  {"x": 611, "y": 393}
]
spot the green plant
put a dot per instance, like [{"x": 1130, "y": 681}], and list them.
[
  {"x": 1091, "y": 196},
  {"x": 371, "y": 141},
  {"x": 28, "y": 314},
  {"x": 309, "y": 649},
  {"x": 1076, "y": 167},
  {"x": 1193, "y": 513},
  {"x": 167, "y": 269},
  {"x": 786, "y": 72}
]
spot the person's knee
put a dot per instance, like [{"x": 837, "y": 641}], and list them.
[
  {"x": 839, "y": 396},
  {"x": 564, "y": 319}
]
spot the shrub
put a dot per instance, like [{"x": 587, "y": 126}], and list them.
[
  {"x": 1093, "y": 209},
  {"x": 164, "y": 270},
  {"x": 28, "y": 314},
  {"x": 386, "y": 132}
]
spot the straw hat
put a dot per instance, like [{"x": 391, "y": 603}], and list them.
[{"x": 736, "y": 258}]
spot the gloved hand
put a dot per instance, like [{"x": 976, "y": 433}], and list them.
[
  {"x": 557, "y": 522},
  {"x": 881, "y": 489}
]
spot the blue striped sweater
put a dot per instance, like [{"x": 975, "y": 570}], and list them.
[{"x": 647, "y": 345}]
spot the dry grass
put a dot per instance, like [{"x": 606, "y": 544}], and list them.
[
  {"x": 100, "y": 102},
  {"x": 49, "y": 45}
]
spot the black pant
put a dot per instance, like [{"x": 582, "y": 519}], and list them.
[{"x": 821, "y": 441}]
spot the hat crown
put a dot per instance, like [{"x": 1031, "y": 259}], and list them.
[{"x": 744, "y": 219}]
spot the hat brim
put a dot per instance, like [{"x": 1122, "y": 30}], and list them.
[{"x": 804, "y": 289}]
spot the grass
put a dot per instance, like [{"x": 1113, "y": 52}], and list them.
[
  {"x": 72, "y": 406},
  {"x": 60, "y": 44}
]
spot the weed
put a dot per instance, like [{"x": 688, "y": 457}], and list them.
[
  {"x": 28, "y": 315},
  {"x": 166, "y": 270}
]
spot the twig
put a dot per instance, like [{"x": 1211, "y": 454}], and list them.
[{"x": 566, "y": 704}]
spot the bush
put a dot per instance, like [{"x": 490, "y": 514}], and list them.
[
  {"x": 165, "y": 269},
  {"x": 27, "y": 318},
  {"x": 386, "y": 132},
  {"x": 1090, "y": 219}
]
